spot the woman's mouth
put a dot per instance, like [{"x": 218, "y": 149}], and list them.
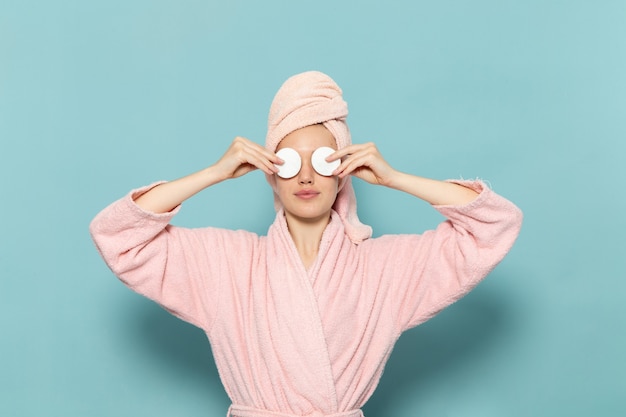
[{"x": 307, "y": 194}]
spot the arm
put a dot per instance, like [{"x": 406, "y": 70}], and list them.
[
  {"x": 430, "y": 271},
  {"x": 451, "y": 260},
  {"x": 365, "y": 162},
  {"x": 241, "y": 157},
  {"x": 149, "y": 257},
  {"x": 176, "y": 267}
]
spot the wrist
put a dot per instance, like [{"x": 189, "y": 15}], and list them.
[
  {"x": 213, "y": 175},
  {"x": 395, "y": 180}
]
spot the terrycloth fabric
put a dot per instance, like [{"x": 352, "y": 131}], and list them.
[
  {"x": 304, "y": 342},
  {"x": 241, "y": 411},
  {"x": 303, "y": 100}
]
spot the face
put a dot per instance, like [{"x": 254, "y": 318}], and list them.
[{"x": 308, "y": 196}]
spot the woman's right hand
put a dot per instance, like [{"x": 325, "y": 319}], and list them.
[
  {"x": 240, "y": 158},
  {"x": 244, "y": 156}
]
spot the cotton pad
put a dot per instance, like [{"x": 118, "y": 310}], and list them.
[
  {"x": 318, "y": 160},
  {"x": 292, "y": 164}
]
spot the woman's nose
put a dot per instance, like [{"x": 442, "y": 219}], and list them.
[{"x": 306, "y": 174}]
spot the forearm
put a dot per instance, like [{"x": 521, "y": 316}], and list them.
[
  {"x": 165, "y": 197},
  {"x": 432, "y": 191},
  {"x": 365, "y": 162}
]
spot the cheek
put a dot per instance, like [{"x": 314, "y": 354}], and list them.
[
  {"x": 280, "y": 186},
  {"x": 284, "y": 188},
  {"x": 332, "y": 184}
]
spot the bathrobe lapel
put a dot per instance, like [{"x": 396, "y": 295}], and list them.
[{"x": 296, "y": 328}]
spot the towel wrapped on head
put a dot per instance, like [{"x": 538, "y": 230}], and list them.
[{"x": 312, "y": 98}]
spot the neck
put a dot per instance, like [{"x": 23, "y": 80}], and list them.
[{"x": 307, "y": 235}]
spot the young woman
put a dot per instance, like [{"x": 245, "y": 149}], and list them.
[{"x": 301, "y": 321}]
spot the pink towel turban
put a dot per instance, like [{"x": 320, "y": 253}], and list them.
[{"x": 303, "y": 100}]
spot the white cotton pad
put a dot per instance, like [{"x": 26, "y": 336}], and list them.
[
  {"x": 292, "y": 164},
  {"x": 318, "y": 160}
]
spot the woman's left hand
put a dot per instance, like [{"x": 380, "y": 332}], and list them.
[{"x": 364, "y": 161}]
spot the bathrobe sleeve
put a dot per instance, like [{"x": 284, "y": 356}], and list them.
[
  {"x": 176, "y": 267},
  {"x": 433, "y": 270}
]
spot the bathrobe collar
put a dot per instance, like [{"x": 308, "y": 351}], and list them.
[{"x": 296, "y": 325}]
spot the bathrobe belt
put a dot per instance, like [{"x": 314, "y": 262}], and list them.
[{"x": 243, "y": 411}]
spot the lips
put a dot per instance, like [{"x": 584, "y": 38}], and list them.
[{"x": 307, "y": 193}]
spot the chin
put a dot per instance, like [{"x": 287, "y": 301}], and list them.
[{"x": 309, "y": 216}]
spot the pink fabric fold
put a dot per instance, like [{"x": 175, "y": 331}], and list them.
[{"x": 303, "y": 100}]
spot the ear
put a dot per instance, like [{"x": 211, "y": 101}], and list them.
[{"x": 340, "y": 183}]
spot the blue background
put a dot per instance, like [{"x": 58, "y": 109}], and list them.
[{"x": 98, "y": 97}]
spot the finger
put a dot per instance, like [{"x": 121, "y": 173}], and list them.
[
  {"x": 343, "y": 152},
  {"x": 269, "y": 160},
  {"x": 255, "y": 148},
  {"x": 262, "y": 163},
  {"x": 271, "y": 156},
  {"x": 257, "y": 156},
  {"x": 270, "y": 166},
  {"x": 351, "y": 164},
  {"x": 357, "y": 154}
]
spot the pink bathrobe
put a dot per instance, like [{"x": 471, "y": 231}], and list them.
[{"x": 295, "y": 342}]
